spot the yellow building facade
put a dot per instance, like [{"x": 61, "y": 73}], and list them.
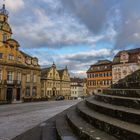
[
  {"x": 19, "y": 72},
  {"x": 55, "y": 82}
]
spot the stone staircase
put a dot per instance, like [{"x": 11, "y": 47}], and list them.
[
  {"x": 101, "y": 117},
  {"x": 112, "y": 115}
]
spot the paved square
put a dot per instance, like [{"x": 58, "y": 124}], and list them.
[{"x": 17, "y": 118}]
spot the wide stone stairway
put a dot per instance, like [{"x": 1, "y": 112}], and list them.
[
  {"x": 111, "y": 115},
  {"x": 101, "y": 117}
]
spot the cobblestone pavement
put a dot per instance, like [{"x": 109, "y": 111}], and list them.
[{"x": 17, "y": 118}]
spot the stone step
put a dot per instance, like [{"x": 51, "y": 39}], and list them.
[
  {"x": 121, "y": 112},
  {"x": 120, "y": 129},
  {"x": 118, "y": 100},
  {"x": 48, "y": 130},
  {"x": 134, "y": 93},
  {"x": 84, "y": 130},
  {"x": 44, "y": 131},
  {"x": 63, "y": 130},
  {"x": 32, "y": 134}
]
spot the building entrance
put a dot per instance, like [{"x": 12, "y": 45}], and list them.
[
  {"x": 54, "y": 91},
  {"x": 18, "y": 94},
  {"x": 9, "y": 94}
]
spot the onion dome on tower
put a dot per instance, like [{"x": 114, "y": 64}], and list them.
[
  {"x": 4, "y": 11},
  {"x": 5, "y": 29}
]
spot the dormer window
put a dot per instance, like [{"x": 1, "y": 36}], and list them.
[
  {"x": 11, "y": 46},
  {"x": 98, "y": 68},
  {"x": 35, "y": 62},
  {"x": 124, "y": 57},
  {"x": 11, "y": 57},
  {"x": 18, "y": 58},
  {"x": 28, "y": 61}
]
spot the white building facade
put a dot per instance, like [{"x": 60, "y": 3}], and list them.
[
  {"x": 125, "y": 63},
  {"x": 77, "y": 88}
]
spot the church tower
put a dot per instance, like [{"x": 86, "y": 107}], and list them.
[{"x": 5, "y": 29}]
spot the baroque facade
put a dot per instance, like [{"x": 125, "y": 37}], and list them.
[
  {"x": 55, "y": 82},
  {"x": 125, "y": 63},
  {"x": 19, "y": 72},
  {"x": 99, "y": 76}
]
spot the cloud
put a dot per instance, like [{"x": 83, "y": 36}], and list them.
[
  {"x": 51, "y": 27},
  {"x": 53, "y": 24},
  {"x": 119, "y": 20},
  {"x": 85, "y": 57},
  {"x": 93, "y": 13},
  {"x": 130, "y": 28},
  {"x": 78, "y": 62},
  {"x": 14, "y": 5}
]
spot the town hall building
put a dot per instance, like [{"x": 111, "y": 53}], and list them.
[{"x": 19, "y": 72}]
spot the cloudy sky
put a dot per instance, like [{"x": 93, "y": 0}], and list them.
[{"x": 75, "y": 33}]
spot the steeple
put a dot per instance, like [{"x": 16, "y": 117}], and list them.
[
  {"x": 53, "y": 65},
  {"x": 66, "y": 68},
  {"x": 4, "y": 11},
  {"x": 5, "y": 29}
]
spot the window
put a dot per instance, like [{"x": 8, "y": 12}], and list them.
[
  {"x": 4, "y": 37},
  {"x": 28, "y": 78},
  {"x": 103, "y": 82},
  {"x": 11, "y": 46},
  {"x": 18, "y": 76},
  {"x": 0, "y": 74},
  {"x": 1, "y": 55},
  {"x": 105, "y": 67},
  {"x": 107, "y": 74},
  {"x": 10, "y": 76},
  {"x": 39, "y": 78},
  {"x": 50, "y": 74},
  {"x": 34, "y": 92},
  {"x": 27, "y": 91},
  {"x": 34, "y": 78},
  {"x": 11, "y": 57},
  {"x": 4, "y": 19}
]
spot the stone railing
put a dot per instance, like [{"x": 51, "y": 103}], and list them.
[{"x": 123, "y": 92}]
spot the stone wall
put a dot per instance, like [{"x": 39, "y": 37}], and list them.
[{"x": 130, "y": 82}]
